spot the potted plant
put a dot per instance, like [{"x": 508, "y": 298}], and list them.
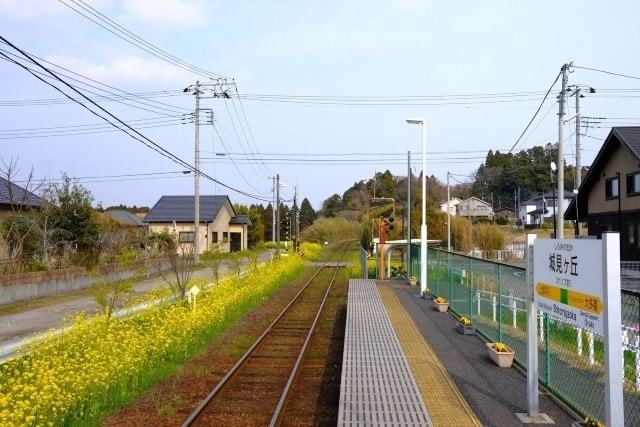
[
  {"x": 442, "y": 304},
  {"x": 465, "y": 327},
  {"x": 588, "y": 422},
  {"x": 413, "y": 280},
  {"x": 501, "y": 354}
]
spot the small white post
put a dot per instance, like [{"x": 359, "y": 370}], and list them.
[
  {"x": 614, "y": 408},
  {"x": 478, "y": 299},
  {"x": 541, "y": 326},
  {"x": 579, "y": 341},
  {"x": 592, "y": 357},
  {"x": 637, "y": 365},
  {"x": 493, "y": 298}
]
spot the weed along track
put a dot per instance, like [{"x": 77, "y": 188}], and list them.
[{"x": 259, "y": 388}]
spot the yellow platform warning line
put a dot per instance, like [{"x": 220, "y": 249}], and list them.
[{"x": 445, "y": 405}]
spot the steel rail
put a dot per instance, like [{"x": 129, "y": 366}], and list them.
[
  {"x": 200, "y": 409},
  {"x": 275, "y": 420}
]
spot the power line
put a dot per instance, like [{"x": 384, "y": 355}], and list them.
[
  {"x": 121, "y": 32},
  {"x": 537, "y": 111},
  {"x": 158, "y": 107},
  {"x": 607, "y": 72},
  {"x": 136, "y": 135}
]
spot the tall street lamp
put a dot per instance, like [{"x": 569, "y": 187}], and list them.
[{"x": 423, "y": 226}]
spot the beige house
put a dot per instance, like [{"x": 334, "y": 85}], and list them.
[
  {"x": 220, "y": 228},
  {"x": 609, "y": 197},
  {"x": 474, "y": 208}
]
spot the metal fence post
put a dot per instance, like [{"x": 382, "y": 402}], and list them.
[
  {"x": 547, "y": 351},
  {"x": 499, "y": 303},
  {"x": 470, "y": 286},
  {"x": 450, "y": 270},
  {"x": 437, "y": 271}
]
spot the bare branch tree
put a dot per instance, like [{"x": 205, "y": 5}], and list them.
[
  {"x": 181, "y": 265},
  {"x": 17, "y": 223}
]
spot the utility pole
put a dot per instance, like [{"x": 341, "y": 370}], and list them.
[
  {"x": 278, "y": 215},
  {"x": 273, "y": 210},
  {"x": 578, "y": 178},
  {"x": 196, "y": 187},
  {"x": 294, "y": 219},
  {"x": 449, "y": 213},
  {"x": 408, "y": 213},
  {"x": 559, "y": 232}
]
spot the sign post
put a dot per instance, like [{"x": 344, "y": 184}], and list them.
[
  {"x": 578, "y": 282},
  {"x": 613, "y": 369},
  {"x": 533, "y": 406}
]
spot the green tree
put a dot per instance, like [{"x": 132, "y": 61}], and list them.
[
  {"x": 307, "y": 214},
  {"x": 73, "y": 215},
  {"x": 332, "y": 206}
]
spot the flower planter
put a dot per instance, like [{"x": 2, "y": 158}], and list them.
[
  {"x": 465, "y": 330},
  {"x": 502, "y": 359},
  {"x": 413, "y": 282},
  {"x": 442, "y": 306}
]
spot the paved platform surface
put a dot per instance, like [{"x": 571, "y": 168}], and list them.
[
  {"x": 445, "y": 404},
  {"x": 493, "y": 394},
  {"x": 377, "y": 387}
]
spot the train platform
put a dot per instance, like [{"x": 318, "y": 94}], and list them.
[{"x": 394, "y": 335}]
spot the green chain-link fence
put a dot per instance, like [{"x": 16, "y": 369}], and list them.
[{"x": 494, "y": 296}]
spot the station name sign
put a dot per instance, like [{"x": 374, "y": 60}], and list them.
[{"x": 567, "y": 279}]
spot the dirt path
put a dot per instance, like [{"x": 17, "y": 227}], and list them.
[{"x": 21, "y": 323}]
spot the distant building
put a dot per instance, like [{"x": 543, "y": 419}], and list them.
[
  {"x": 506, "y": 213},
  {"x": 125, "y": 217},
  {"x": 220, "y": 227},
  {"x": 453, "y": 204},
  {"x": 12, "y": 194},
  {"x": 609, "y": 197},
  {"x": 533, "y": 212},
  {"x": 474, "y": 208}
]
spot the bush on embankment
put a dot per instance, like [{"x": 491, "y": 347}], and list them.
[{"x": 332, "y": 230}]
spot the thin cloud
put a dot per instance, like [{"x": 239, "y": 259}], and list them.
[
  {"x": 175, "y": 13},
  {"x": 126, "y": 69}
]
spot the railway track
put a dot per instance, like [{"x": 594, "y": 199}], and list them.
[{"x": 256, "y": 389}]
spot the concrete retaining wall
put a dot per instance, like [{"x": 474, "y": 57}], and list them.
[{"x": 26, "y": 286}]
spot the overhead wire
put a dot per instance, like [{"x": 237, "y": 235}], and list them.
[
  {"x": 133, "y": 134},
  {"x": 158, "y": 107},
  {"x": 128, "y": 36},
  {"x": 537, "y": 111}
]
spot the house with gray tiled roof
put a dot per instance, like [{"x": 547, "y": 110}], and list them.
[
  {"x": 220, "y": 227},
  {"x": 13, "y": 194},
  {"x": 609, "y": 197}
]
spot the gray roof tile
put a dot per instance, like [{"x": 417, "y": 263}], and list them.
[
  {"x": 180, "y": 208},
  {"x": 12, "y": 193}
]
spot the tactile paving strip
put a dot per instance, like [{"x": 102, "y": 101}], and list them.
[
  {"x": 445, "y": 403},
  {"x": 377, "y": 387}
]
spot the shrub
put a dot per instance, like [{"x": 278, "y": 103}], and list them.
[
  {"x": 502, "y": 220},
  {"x": 310, "y": 251},
  {"x": 461, "y": 234},
  {"x": 488, "y": 237},
  {"x": 331, "y": 230}
]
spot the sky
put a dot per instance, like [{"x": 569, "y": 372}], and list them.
[{"x": 364, "y": 52}]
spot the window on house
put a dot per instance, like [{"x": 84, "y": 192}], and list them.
[
  {"x": 214, "y": 237},
  {"x": 186, "y": 237},
  {"x": 612, "y": 188},
  {"x": 633, "y": 236},
  {"x": 225, "y": 236},
  {"x": 633, "y": 184}
]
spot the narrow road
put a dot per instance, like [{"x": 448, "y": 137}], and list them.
[{"x": 17, "y": 325}]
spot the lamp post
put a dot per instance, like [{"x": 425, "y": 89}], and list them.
[{"x": 423, "y": 226}]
